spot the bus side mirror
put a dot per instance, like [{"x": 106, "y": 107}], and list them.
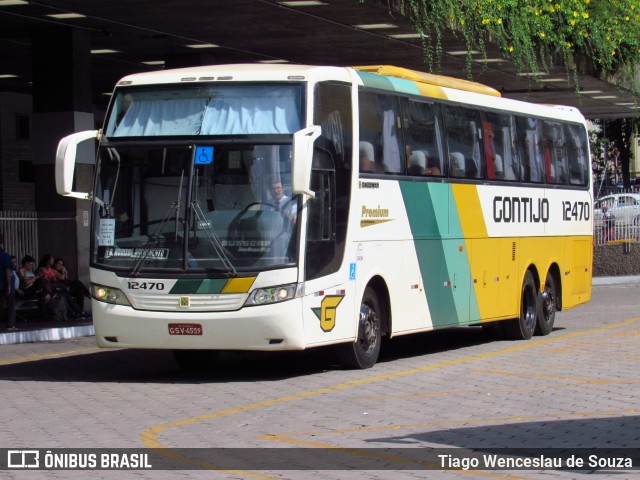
[
  {"x": 302, "y": 160},
  {"x": 66, "y": 162}
]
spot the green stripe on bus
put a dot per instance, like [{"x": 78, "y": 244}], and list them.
[
  {"x": 376, "y": 81},
  {"x": 207, "y": 285},
  {"x": 459, "y": 266},
  {"x": 405, "y": 86},
  {"x": 212, "y": 285},
  {"x": 442, "y": 251},
  {"x": 425, "y": 204}
]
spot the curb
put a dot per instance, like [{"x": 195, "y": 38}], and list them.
[
  {"x": 622, "y": 280},
  {"x": 46, "y": 334}
]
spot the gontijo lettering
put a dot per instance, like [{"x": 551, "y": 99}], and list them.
[{"x": 520, "y": 210}]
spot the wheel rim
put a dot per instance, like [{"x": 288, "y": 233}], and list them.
[
  {"x": 529, "y": 309},
  {"x": 548, "y": 303},
  {"x": 369, "y": 328}
]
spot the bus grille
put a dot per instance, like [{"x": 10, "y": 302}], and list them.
[{"x": 195, "y": 303}]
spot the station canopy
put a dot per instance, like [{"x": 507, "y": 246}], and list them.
[{"x": 144, "y": 35}]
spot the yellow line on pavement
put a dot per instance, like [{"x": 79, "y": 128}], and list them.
[{"x": 150, "y": 437}]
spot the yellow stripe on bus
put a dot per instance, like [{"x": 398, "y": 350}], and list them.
[{"x": 238, "y": 285}]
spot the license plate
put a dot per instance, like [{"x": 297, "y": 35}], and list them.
[{"x": 185, "y": 329}]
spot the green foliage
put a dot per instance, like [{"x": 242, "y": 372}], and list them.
[{"x": 534, "y": 33}]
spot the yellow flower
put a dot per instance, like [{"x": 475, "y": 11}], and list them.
[
  {"x": 485, "y": 21},
  {"x": 613, "y": 52},
  {"x": 572, "y": 22},
  {"x": 569, "y": 44},
  {"x": 462, "y": 21},
  {"x": 511, "y": 49},
  {"x": 499, "y": 21},
  {"x": 542, "y": 34},
  {"x": 585, "y": 15}
]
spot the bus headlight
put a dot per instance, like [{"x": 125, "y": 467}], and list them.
[
  {"x": 265, "y": 296},
  {"x": 109, "y": 295}
]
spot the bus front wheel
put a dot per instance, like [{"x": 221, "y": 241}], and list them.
[
  {"x": 522, "y": 328},
  {"x": 196, "y": 360},
  {"x": 363, "y": 353}
]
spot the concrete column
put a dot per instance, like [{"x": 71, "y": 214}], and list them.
[{"x": 62, "y": 104}]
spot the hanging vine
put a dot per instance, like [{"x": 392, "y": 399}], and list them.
[{"x": 599, "y": 35}]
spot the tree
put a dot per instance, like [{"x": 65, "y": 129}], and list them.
[
  {"x": 600, "y": 35},
  {"x": 611, "y": 152}
]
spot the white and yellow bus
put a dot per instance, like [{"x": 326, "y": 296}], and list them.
[{"x": 284, "y": 207}]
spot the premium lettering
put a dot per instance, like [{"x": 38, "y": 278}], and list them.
[{"x": 374, "y": 212}]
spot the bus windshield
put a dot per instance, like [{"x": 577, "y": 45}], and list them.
[
  {"x": 226, "y": 109},
  {"x": 223, "y": 207}
]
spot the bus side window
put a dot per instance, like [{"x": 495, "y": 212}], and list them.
[
  {"x": 577, "y": 154},
  {"x": 462, "y": 130},
  {"x": 498, "y": 146},
  {"x": 380, "y": 127},
  {"x": 422, "y": 138},
  {"x": 530, "y": 148},
  {"x": 331, "y": 178},
  {"x": 555, "y": 153}
]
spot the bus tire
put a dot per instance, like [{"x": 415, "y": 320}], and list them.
[
  {"x": 547, "y": 313},
  {"x": 523, "y": 327},
  {"x": 196, "y": 360},
  {"x": 363, "y": 353}
]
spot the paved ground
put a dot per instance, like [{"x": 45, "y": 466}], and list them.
[{"x": 576, "y": 388}]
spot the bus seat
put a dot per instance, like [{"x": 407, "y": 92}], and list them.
[
  {"x": 498, "y": 166},
  {"x": 270, "y": 224},
  {"x": 456, "y": 164},
  {"x": 471, "y": 169},
  {"x": 417, "y": 163}
]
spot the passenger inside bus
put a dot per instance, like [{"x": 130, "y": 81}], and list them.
[
  {"x": 366, "y": 157},
  {"x": 433, "y": 167}
]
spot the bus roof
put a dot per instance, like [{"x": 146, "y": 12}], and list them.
[
  {"x": 386, "y": 77},
  {"x": 430, "y": 79}
]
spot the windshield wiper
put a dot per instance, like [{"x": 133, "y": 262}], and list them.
[
  {"x": 154, "y": 239},
  {"x": 205, "y": 224}
]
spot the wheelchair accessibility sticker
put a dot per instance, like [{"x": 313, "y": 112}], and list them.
[{"x": 203, "y": 156}]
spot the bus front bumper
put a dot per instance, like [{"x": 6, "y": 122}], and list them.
[{"x": 267, "y": 327}]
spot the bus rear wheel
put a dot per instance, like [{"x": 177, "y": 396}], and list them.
[
  {"x": 196, "y": 360},
  {"x": 523, "y": 327},
  {"x": 547, "y": 313},
  {"x": 363, "y": 353}
]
